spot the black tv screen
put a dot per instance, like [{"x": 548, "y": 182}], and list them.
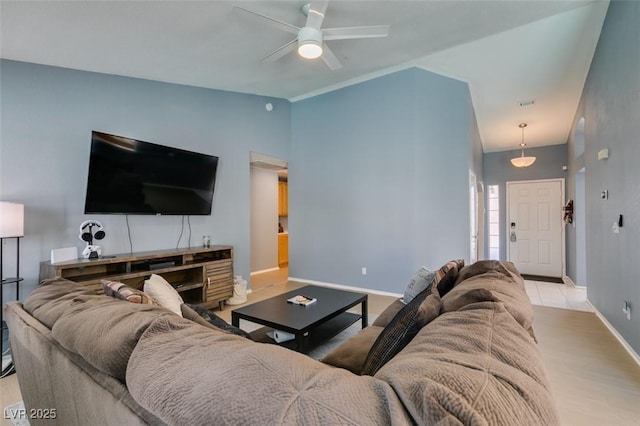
[{"x": 128, "y": 176}]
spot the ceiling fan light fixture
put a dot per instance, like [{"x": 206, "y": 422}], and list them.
[
  {"x": 522, "y": 161},
  {"x": 310, "y": 43},
  {"x": 310, "y": 49}
]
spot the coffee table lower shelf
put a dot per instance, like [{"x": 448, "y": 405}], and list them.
[{"x": 316, "y": 336}]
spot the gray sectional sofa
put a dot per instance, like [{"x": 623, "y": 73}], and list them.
[{"x": 102, "y": 361}]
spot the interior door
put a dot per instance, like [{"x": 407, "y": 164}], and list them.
[{"x": 534, "y": 227}]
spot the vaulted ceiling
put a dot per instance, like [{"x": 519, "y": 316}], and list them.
[{"x": 508, "y": 51}]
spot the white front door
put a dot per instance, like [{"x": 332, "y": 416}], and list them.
[{"x": 535, "y": 235}]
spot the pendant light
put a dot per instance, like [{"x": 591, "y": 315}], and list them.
[{"x": 523, "y": 161}]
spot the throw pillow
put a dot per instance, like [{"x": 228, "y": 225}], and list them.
[
  {"x": 124, "y": 292},
  {"x": 445, "y": 278},
  {"x": 352, "y": 354},
  {"x": 163, "y": 293},
  {"x": 203, "y": 316},
  {"x": 419, "y": 281},
  {"x": 423, "y": 309}
]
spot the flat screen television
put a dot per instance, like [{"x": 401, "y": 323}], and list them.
[{"x": 128, "y": 176}]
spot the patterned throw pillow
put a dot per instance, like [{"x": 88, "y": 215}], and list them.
[
  {"x": 450, "y": 271},
  {"x": 197, "y": 312},
  {"x": 122, "y": 291},
  {"x": 404, "y": 326},
  {"x": 422, "y": 309},
  {"x": 419, "y": 281}
]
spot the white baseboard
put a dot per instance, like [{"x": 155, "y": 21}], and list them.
[
  {"x": 615, "y": 333},
  {"x": 265, "y": 270},
  {"x": 346, "y": 287},
  {"x": 568, "y": 281}
]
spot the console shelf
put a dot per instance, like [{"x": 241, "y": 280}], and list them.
[{"x": 200, "y": 275}]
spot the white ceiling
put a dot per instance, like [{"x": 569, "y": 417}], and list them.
[{"x": 508, "y": 51}]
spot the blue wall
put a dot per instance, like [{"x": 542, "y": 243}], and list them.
[
  {"x": 498, "y": 171},
  {"x": 47, "y": 117},
  {"x": 611, "y": 107},
  {"x": 375, "y": 172}
]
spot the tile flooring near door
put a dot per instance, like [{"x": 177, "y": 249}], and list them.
[{"x": 558, "y": 295}]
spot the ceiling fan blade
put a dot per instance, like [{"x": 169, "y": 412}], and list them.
[
  {"x": 281, "y": 51},
  {"x": 274, "y": 22},
  {"x": 355, "y": 32},
  {"x": 315, "y": 15},
  {"x": 330, "y": 58}
]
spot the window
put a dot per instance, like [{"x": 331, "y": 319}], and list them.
[{"x": 494, "y": 222}]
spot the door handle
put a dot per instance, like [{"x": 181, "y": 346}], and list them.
[{"x": 513, "y": 237}]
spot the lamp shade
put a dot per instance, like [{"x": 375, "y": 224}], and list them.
[
  {"x": 11, "y": 219},
  {"x": 523, "y": 161}
]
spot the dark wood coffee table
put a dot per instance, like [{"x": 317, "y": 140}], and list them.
[{"x": 312, "y": 325}]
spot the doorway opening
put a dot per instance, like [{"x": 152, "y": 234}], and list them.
[{"x": 269, "y": 233}]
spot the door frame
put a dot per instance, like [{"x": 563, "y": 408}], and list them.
[
  {"x": 563, "y": 253},
  {"x": 473, "y": 219},
  {"x": 481, "y": 220}
]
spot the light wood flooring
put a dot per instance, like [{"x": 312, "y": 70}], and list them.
[{"x": 594, "y": 380}]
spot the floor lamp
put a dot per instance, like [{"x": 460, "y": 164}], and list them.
[{"x": 11, "y": 227}]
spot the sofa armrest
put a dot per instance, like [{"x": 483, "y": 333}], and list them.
[
  {"x": 71, "y": 390},
  {"x": 387, "y": 315}
]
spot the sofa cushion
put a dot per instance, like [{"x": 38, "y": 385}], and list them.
[
  {"x": 402, "y": 328},
  {"x": 57, "y": 296},
  {"x": 105, "y": 331},
  {"x": 419, "y": 281},
  {"x": 189, "y": 375},
  {"x": 207, "y": 318},
  {"x": 494, "y": 281},
  {"x": 352, "y": 354},
  {"x": 124, "y": 292},
  {"x": 476, "y": 366},
  {"x": 163, "y": 293}
]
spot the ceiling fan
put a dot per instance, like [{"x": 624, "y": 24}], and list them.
[{"x": 310, "y": 39}]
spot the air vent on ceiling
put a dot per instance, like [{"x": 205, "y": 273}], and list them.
[{"x": 527, "y": 102}]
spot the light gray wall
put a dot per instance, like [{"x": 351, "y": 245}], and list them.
[
  {"x": 498, "y": 171},
  {"x": 611, "y": 107},
  {"x": 476, "y": 154},
  {"x": 47, "y": 117},
  {"x": 264, "y": 219},
  {"x": 375, "y": 171}
]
